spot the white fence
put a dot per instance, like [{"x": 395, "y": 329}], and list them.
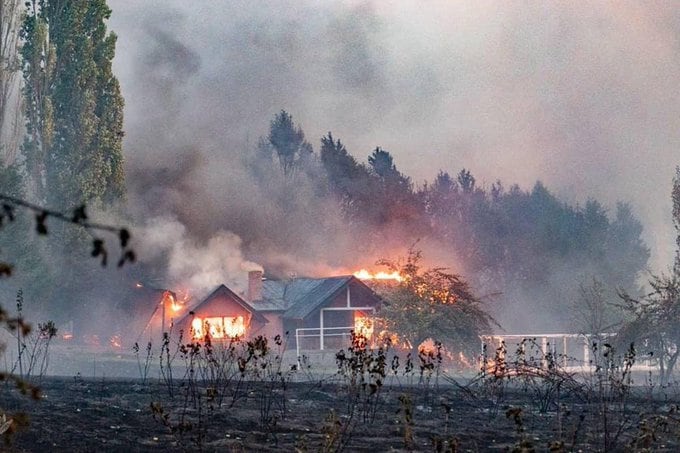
[
  {"x": 342, "y": 334},
  {"x": 574, "y": 351}
]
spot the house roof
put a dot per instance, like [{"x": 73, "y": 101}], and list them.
[
  {"x": 296, "y": 298},
  {"x": 222, "y": 290},
  {"x": 300, "y": 297},
  {"x": 284, "y": 295},
  {"x": 315, "y": 296}
]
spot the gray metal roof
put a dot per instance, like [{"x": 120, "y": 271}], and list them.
[
  {"x": 295, "y": 298},
  {"x": 298, "y": 297}
]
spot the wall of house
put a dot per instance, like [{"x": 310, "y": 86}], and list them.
[
  {"x": 273, "y": 327},
  {"x": 222, "y": 306},
  {"x": 360, "y": 296}
]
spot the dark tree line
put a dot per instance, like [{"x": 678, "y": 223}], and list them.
[{"x": 528, "y": 244}]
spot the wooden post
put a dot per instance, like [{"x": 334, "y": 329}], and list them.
[
  {"x": 321, "y": 329},
  {"x": 544, "y": 350}
]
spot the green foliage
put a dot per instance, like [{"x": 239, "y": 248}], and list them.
[
  {"x": 434, "y": 304},
  {"x": 10, "y": 107},
  {"x": 20, "y": 254},
  {"x": 74, "y": 113},
  {"x": 79, "y": 218}
]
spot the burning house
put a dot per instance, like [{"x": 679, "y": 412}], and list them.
[{"x": 315, "y": 313}]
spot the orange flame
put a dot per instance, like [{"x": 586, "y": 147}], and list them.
[
  {"x": 175, "y": 303},
  {"x": 116, "y": 341},
  {"x": 218, "y": 327},
  {"x": 363, "y": 274},
  {"x": 363, "y": 325}
]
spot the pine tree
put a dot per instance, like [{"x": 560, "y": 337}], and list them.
[
  {"x": 74, "y": 109},
  {"x": 288, "y": 140}
]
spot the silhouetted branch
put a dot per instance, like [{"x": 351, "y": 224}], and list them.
[{"x": 77, "y": 217}]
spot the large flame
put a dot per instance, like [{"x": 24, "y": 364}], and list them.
[
  {"x": 363, "y": 325},
  {"x": 363, "y": 274},
  {"x": 218, "y": 327}
]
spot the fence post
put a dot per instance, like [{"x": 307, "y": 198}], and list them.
[
  {"x": 544, "y": 350},
  {"x": 297, "y": 346}
]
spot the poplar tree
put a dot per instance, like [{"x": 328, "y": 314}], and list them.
[
  {"x": 10, "y": 118},
  {"x": 74, "y": 108}
]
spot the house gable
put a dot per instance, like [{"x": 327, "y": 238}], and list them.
[
  {"x": 315, "y": 297},
  {"x": 222, "y": 308},
  {"x": 337, "y": 292}
]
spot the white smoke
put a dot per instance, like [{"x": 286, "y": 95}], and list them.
[
  {"x": 193, "y": 265},
  {"x": 583, "y": 99}
]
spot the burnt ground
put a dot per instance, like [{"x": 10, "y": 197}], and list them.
[{"x": 84, "y": 415}]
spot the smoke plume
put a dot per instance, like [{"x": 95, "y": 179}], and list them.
[{"x": 584, "y": 100}]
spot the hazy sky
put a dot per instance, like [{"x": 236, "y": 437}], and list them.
[{"x": 581, "y": 96}]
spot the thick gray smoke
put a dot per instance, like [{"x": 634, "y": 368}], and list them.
[{"x": 584, "y": 99}]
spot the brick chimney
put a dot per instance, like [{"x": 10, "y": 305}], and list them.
[{"x": 255, "y": 285}]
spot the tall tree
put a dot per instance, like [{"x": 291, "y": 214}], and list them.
[
  {"x": 74, "y": 108},
  {"x": 466, "y": 181},
  {"x": 654, "y": 325},
  {"x": 395, "y": 202},
  {"x": 350, "y": 182},
  {"x": 10, "y": 111},
  {"x": 675, "y": 198},
  {"x": 289, "y": 142}
]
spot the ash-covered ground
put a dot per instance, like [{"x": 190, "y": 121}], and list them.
[{"x": 110, "y": 400}]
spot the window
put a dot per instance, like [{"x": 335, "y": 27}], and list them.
[{"x": 218, "y": 327}]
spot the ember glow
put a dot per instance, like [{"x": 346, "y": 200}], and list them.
[
  {"x": 116, "y": 341},
  {"x": 363, "y": 326},
  {"x": 175, "y": 302},
  {"x": 218, "y": 327},
  {"x": 363, "y": 274}
]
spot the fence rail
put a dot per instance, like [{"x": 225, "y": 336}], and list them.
[
  {"x": 573, "y": 351},
  {"x": 326, "y": 332}
]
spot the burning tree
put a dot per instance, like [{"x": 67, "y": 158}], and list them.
[{"x": 434, "y": 304}]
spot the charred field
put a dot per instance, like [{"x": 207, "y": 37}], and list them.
[{"x": 352, "y": 405}]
